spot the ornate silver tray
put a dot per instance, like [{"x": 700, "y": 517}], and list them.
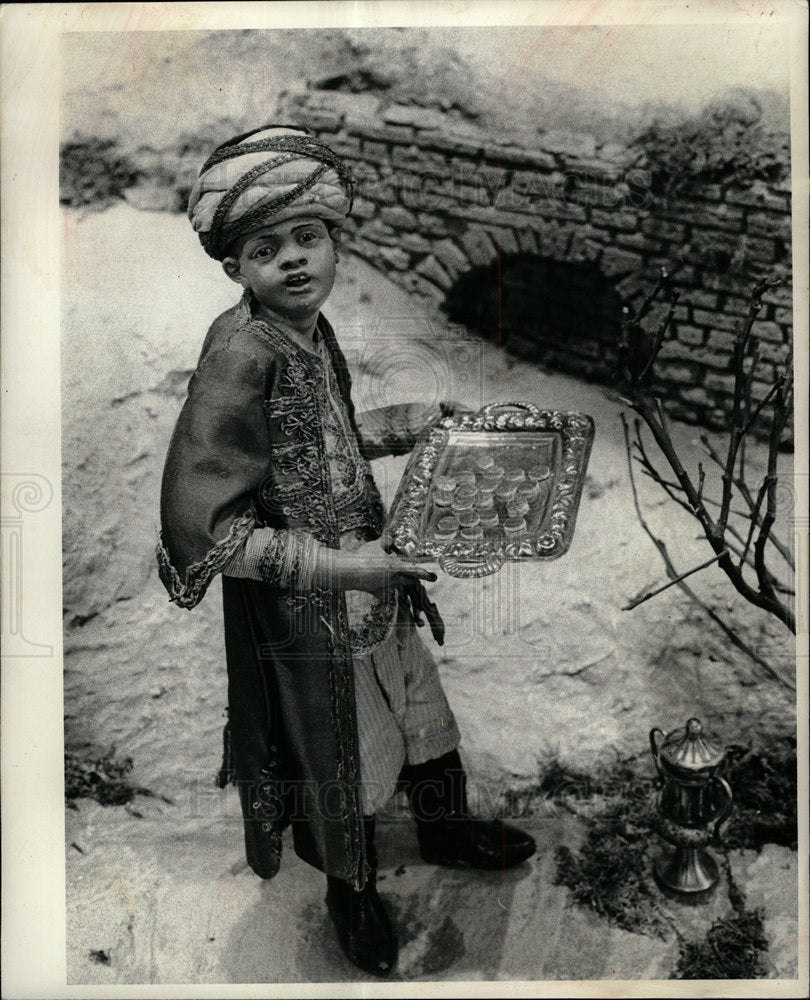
[{"x": 482, "y": 488}]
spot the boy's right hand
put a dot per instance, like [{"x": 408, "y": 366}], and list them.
[{"x": 370, "y": 569}]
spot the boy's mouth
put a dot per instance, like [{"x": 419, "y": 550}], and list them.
[{"x": 297, "y": 280}]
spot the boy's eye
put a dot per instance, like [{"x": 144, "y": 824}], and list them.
[
  {"x": 309, "y": 236},
  {"x": 264, "y": 252}
]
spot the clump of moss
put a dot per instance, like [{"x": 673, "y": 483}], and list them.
[
  {"x": 765, "y": 798},
  {"x": 726, "y": 143},
  {"x": 610, "y": 874},
  {"x": 94, "y": 172},
  {"x": 734, "y": 948},
  {"x": 556, "y": 781},
  {"x": 607, "y": 790},
  {"x": 104, "y": 778}
]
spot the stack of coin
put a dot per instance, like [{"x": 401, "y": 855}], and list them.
[
  {"x": 504, "y": 492},
  {"x": 518, "y": 507},
  {"x": 514, "y": 476},
  {"x": 464, "y": 498},
  {"x": 485, "y": 496},
  {"x": 446, "y": 529},
  {"x": 514, "y": 527},
  {"x": 443, "y": 489},
  {"x": 465, "y": 477},
  {"x": 468, "y": 519},
  {"x": 489, "y": 519},
  {"x": 528, "y": 490}
]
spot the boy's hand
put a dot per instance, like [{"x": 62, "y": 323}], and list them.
[
  {"x": 370, "y": 569},
  {"x": 431, "y": 412},
  {"x": 452, "y": 408}
]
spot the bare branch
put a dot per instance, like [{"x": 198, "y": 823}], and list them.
[
  {"x": 638, "y": 353},
  {"x": 780, "y": 546},
  {"x": 779, "y": 419},
  {"x": 671, "y": 571},
  {"x": 634, "y": 603}
]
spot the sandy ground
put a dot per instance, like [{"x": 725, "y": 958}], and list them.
[
  {"x": 538, "y": 664},
  {"x": 160, "y": 899}
]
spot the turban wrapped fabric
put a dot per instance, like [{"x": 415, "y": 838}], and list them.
[{"x": 265, "y": 177}]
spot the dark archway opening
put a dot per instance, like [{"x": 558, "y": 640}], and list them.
[{"x": 563, "y": 316}]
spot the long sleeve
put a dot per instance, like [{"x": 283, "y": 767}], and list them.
[
  {"x": 283, "y": 558},
  {"x": 216, "y": 460},
  {"x": 394, "y": 430}
]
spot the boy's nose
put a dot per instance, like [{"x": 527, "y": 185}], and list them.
[{"x": 294, "y": 257}]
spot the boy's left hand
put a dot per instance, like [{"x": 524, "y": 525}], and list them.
[
  {"x": 448, "y": 408},
  {"x": 431, "y": 412}
]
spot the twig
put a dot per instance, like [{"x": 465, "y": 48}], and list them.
[
  {"x": 658, "y": 478},
  {"x": 659, "y": 590},
  {"x": 736, "y": 423},
  {"x": 780, "y": 416},
  {"x": 658, "y": 340},
  {"x": 765, "y": 399},
  {"x": 745, "y": 493},
  {"x": 754, "y": 520}
]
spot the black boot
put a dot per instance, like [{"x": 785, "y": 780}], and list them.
[
  {"x": 363, "y": 927},
  {"x": 437, "y": 792}
]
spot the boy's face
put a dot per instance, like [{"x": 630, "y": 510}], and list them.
[{"x": 289, "y": 267}]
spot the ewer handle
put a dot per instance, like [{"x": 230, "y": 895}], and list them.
[
  {"x": 726, "y": 810},
  {"x": 655, "y": 749}
]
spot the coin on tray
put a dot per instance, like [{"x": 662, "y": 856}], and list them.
[
  {"x": 528, "y": 490},
  {"x": 446, "y": 529},
  {"x": 514, "y": 476},
  {"x": 539, "y": 473},
  {"x": 514, "y": 526},
  {"x": 517, "y": 507},
  {"x": 489, "y": 518},
  {"x": 468, "y": 518}
]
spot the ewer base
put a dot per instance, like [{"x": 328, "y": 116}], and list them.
[{"x": 687, "y": 871}]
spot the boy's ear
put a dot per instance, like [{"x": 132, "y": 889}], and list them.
[
  {"x": 230, "y": 265},
  {"x": 335, "y": 235}
]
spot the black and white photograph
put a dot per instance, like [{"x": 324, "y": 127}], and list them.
[{"x": 416, "y": 401}]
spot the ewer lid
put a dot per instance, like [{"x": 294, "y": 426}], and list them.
[{"x": 688, "y": 751}]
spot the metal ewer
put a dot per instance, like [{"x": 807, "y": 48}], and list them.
[{"x": 694, "y": 802}]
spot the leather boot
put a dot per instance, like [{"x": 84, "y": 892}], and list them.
[
  {"x": 363, "y": 927},
  {"x": 448, "y": 836}
]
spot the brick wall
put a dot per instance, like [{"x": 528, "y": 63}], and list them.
[{"x": 447, "y": 210}]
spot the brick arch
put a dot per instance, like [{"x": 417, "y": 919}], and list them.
[
  {"x": 437, "y": 199},
  {"x": 560, "y": 313}
]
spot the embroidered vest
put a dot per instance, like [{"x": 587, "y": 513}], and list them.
[{"x": 327, "y": 491}]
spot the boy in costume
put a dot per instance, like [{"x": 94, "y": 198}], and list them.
[{"x": 332, "y": 696}]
